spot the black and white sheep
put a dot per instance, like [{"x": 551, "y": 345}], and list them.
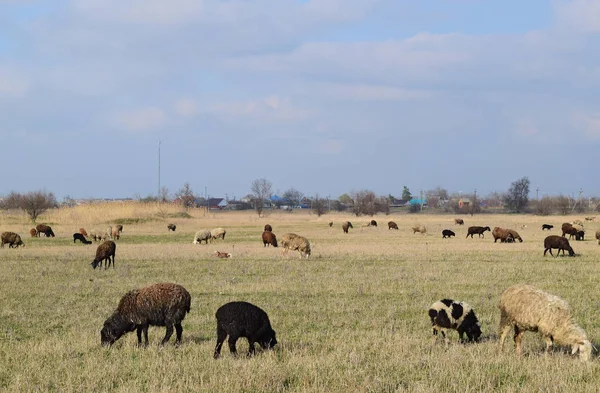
[
  {"x": 171, "y": 227},
  {"x": 547, "y": 226},
  {"x": 155, "y": 305},
  {"x": 526, "y": 308},
  {"x": 477, "y": 230},
  {"x": 559, "y": 242},
  {"x": 81, "y": 238},
  {"x": 447, "y": 233},
  {"x": 105, "y": 252},
  {"x": 12, "y": 239},
  {"x": 45, "y": 229},
  {"x": 242, "y": 319},
  {"x": 449, "y": 314}
]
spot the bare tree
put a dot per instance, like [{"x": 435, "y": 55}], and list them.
[
  {"x": 365, "y": 202},
  {"x": 186, "y": 195},
  {"x": 261, "y": 192},
  {"x": 164, "y": 194},
  {"x": 563, "y": 204},
  {"x": 517, "y": 197},
  {"x": 293, "y": 196},
  {"x": 35, "y": 203},
  {"x": 319, "y": 205}
]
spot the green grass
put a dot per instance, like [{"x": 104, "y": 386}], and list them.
[{"x": 351, "y": 318}]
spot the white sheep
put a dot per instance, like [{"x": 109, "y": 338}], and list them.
[
  {"x": 420, "y": 229},
  {"x": 201, "y": 235},
  {"x": 291, "y": 241},
  {"x": 527, "y": 308},
  {"x": 218, "y": 233}
]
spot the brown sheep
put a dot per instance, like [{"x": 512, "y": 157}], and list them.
[
  {"x": 559, "y": 242},
  {"x": 155, "y": 305},
  {"x": 83, "y": 232},
  {"x": 268, "y": 228},
  {"x": 500, "y": 233},
  {"x": 33, "y": 232},
  {"x": 346, "y": 225},
  {"x": 598, "y": 236},
  {"x": 330, "y": 224},
  {"x": 515, "y": 235},
  {"x": 104, "y": 252},
  {"x": 45, "y": 229},
  {"x": 419, "y": 228},
  {"x": 171, "y": 227},
  {"x": 459, "y": 221},
  {"x": 116, "y": 234},
  {"x": 477, "y": 230},
  {"x": 569, "y": 229},
  {"x": 221, "y": 254},
  {"x": 269, "y": 238},
  {"x": 392, "y": 225},
  {"x": 12, "y": 239}
]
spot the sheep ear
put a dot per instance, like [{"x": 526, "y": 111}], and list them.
[{"x": 575, "y": 349}]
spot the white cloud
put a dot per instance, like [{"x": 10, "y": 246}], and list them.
[
  {"x": 272, "y": 109},
  {"x": 142, "y": 11},
  {"x": 142, "y": 119},
  {"x": 579, "y": 15}
]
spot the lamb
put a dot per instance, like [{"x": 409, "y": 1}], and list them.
[
  {"x": 269, "y": 238},
  {"x": 104, "y": 252},
  {"x": 598, "y": 236},
  {"x": 171, "y": 227},
  {"x": 449, "y": 314},
  {"x": 81, "y": 238},
  {"x": 459, "y": 221},
  {"x": 242, "y": 319},
  {"x": 477, "y": 230},
  {"x": 346, "y": 225},
  {"x": 155, "y": 305},
  {"x": 12, "y": 239},
  {"x": 392, "y": 225},
  {"x": 547, "y": 226},
  {"x": 221, "y": 254},
  {"x": 291, "y": 241},
  {"x": 201, "y": 235},
  {"x": 580, "y": 235},
  {"x": 420, "y": 229},
  {"x": 116, "y": 234},
  {"x": 372, "y": 223},
  {"x": 527, "y": 308},
  {"x": 447, "y": 233},
  {"x": 268, "y": 228},
  {"x": 218, "y": 233},
  {"x": 33, "y": 232},
  {"x": 83, "y": 232},
  {"x": 45, "y": 229},
  {"x": 559, "y": 242}
]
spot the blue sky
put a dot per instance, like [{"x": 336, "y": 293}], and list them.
[{"x": 327, "y": 96}]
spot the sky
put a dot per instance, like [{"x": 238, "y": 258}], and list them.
[{"x": 326, "y": 96}]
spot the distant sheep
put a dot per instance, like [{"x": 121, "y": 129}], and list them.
[
  {"x": 526, "y": 308},
  {"x": 81, "y": 238},
  {"x": 330, "y": 224},
  {"x": 568, "y": 229},
  {"x": 221, "y": 254},
  {"x": 218, "y": 233},
  {"x": 83, "y": 232},
  {"x": 506, "y": 235},
  {"x": 547, "y": 226},
  {"x": 269, "y": 238},
  {"x": 372, "y": 223},
  {"x": 33, "y": 232},
  {"x": 459, "y": 221},
  {"x": 109, "y": 231},
  {"x": 98, "y": 235},
  {"x": 171, "y": 227},
  {"x": 12, "y": 239},
  {"x": 559, "y": 242},
  {"x": 577, "y": 222},
  {"x": 392, "y": 225},
  {"x": 449, "y": 314},
  {"x": 202, "y": 235},
  {"x": 420, "y": 229},
  {"x": 590, "y": 218},
  {"x": 447, "y": 233},
  {"x": 45, "y": 229},
  {"x": 155, "y": 305},
  {"x": 477, "y": 230},
  {"x": 346, "y": 225},
  {"x": 268, "y": 228},
  {"x": 291, "y": 241},
  {"x": 119, "y": 228},
  {"x": 515, "y": 235},
  {"x": 242, "y": 319},
  {"x": 105, "y": 252},
  {"x": 116, "y": 234},
  {"x": 598, "y": 236},
  {"x": 580, "y": 235}
]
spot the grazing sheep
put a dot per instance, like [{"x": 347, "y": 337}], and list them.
[
  {"x": 45, "y": 229},
  {"x": 447, "y": 233},
  {"x": 268, "y": 228},
  {"x": 98, "y": 235},
  {"x": 104, "y": 252},
  {"x": 330, "y": 224},
  {"x": 171, "y": 227},
  {"x": 515, "y": 235},
  {"x": 12, "y": 239},
  {"x": 372, "y": 223},
  {"x": 580, "y": 235},
  {"x": 221, "y": 254},
  {"x": 269, "y": 238},
  {"x": 459, "y": 221},
  {"x": 568, "y": 228},
  {"x": 116, "y": 234},
  {"x": 598, "y": 236},
  {"x": 201, "y": 235},
  {"x": 477, "y": 230},
  {"x": 449, "y": 314},
  {"x": 119, "y": 228},
  {"x": 109, "y": 231},
  {"x": 346, "y": 225},
  {"x": 242, "y": 319},
  {"x": 155, "y": 305},
  {"x": 81, "y": 238},
  {"x": 33, "y": 232},
  {"x": 83, "y": 232},
  {"x": 419, "y": 228},
  {"x": 547, "y": 226},
  {"x": 291, "y": 241},
  {"x": 500, "y": 233},
  {"x": 559, "y": 242},
  {"x": 218, "y": 233},
  {"x": 526, "y": 308},
  {"x": 392, "y": 225}
]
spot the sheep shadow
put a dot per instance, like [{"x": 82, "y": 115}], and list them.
[{"x": 200, "y": 339}]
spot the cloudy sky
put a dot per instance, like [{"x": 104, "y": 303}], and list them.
[{"x": 326, "y": 96}]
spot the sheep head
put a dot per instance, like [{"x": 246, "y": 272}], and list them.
[
  {"x": 267, "y": 340},
  {"x": 584, "y": 348},
  {"x": 114, "y": 327}
]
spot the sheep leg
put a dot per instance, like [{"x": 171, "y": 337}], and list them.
[
  {"x": 221, "y": 336},
  {"x": 504, "y": 329},
  {"x": 549, "y": 343},
  {"x": 519, "y": 341},
  {"x": 251, "y": 349},
  {"x": 179, "y": 332},
  {"x": 168, "y": 334},
  {"x": 231, "y": 342}
]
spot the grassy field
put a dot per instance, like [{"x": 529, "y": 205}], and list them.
[{"x": 351, "y": 318}]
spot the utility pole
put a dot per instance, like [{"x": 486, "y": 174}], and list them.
[
  {"x": 474, "y": 202},
  {"x": 421, "y": 195},
  {"x": 159, "y": 142},
  {"x": 206, "y": 199},
  {"x": 328, "y": 204},
  {"x": 537, "y": 194}
]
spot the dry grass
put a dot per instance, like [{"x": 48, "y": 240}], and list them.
[{"x": 351, "y": 318}]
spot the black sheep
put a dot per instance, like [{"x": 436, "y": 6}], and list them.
[
  {"x": 171, "y": 227},
  {"x": 104, "y": 252},
  {"x": 242, "y": 319},
  {"x": 547, "y": 226},
  {"x": 447, "y": 233},
  {"x": 373, "y": 223},
  {"x": 580, "y": 235},
  {"x": 559, "y": 242},
  {"x": 81, "y": 238},
  {"x": 477, "y": 230},
  {"x": 449, "y": 314},
  {"x": 155, "y": 305}
]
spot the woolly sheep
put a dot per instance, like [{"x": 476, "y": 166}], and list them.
[
  {"x": 155, "y": 305},
  {"x": 447, "y": 233},
  {"x": 291, "y": 241},
  {"x": 506, "y": 235},
  {"x": 459, "y": 221},
  {"x": 392, "y": 225},
  {"x": 202, "y": 235},
  {"x": 568, "y": 228},
  {"x": 45, "y": 229},
  {"x": 218, "y": 233},
  {"x": 449, "y": 314},
  {"x": 526, "y": 308},
  {"x": 171, "y": 227},
  {"x": 547, "y": 226},
  {"x": 559, "y": 242},
  {"x": 12, "y": 239},
  {"x": 477, "y": 230},
  {"x": 269, "y": 238},
  {"x": 98, "y": 235},
  {"x": 242, "y": 319},
  {"x": 420, "y": 229},
  {"x": 81, "y": 238},
  {"x": 104, "y": 252},
  {"x": 346, "y": 225},
  {"x": 33, "y": 232},
  {"x": 515, "y": 235},
  {"x": 268, "y": 228}
]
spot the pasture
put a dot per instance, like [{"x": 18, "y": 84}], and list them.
[{"x": 351, "y": 318}]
